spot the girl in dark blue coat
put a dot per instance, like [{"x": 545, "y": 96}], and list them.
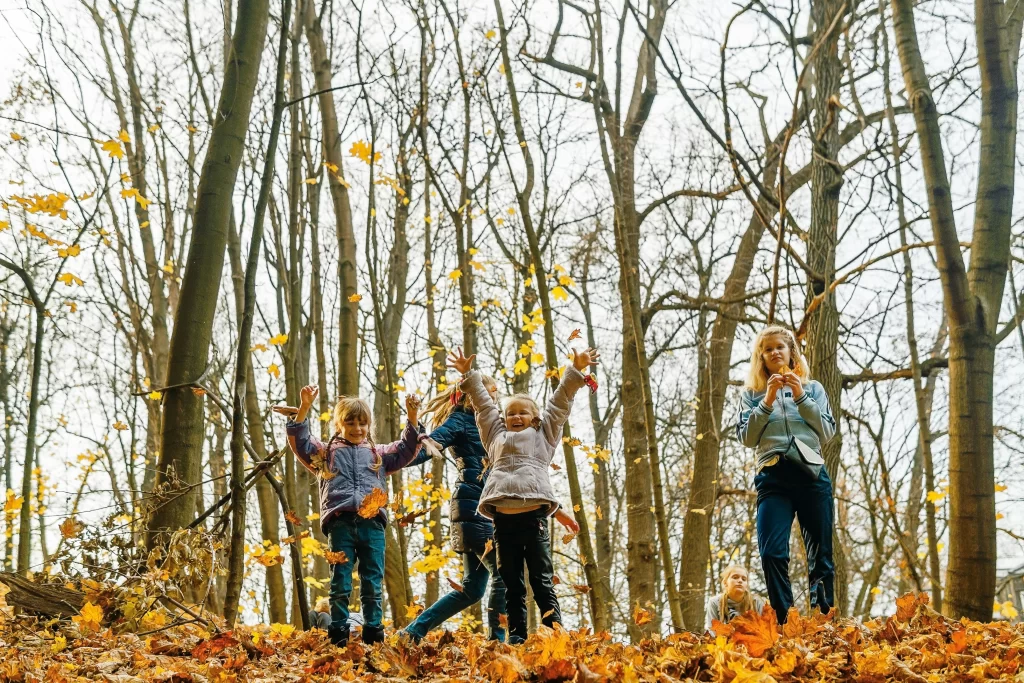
[{"x": 454, "y": 427}]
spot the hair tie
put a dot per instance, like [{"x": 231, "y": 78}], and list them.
[{"x": 456, "y": 396}]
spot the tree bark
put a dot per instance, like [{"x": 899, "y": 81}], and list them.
[
  {"x": 182, "y": 429},
  {"x": 972, "y": 299}
]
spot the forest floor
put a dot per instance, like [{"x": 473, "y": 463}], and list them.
[{"x": 916, "y": 644}]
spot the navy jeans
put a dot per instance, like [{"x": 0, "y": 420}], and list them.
[
  {"x": 782, "y": 492},
  {"x": 476, "y": 570},
  {"x": 362, "y": 541},
  {"x": 523, "y": 539}
]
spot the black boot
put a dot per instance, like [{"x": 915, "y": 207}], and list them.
[
  {"x": 338, "y": 635},
  {"x": 373, "y": 634}
]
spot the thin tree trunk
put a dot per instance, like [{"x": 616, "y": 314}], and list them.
[
  {"x": 182, "y": 429},
  {"x": 236, "y": 552},
  {"x": 972, "y": 299}
]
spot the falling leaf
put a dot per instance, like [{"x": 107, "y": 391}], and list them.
[
  {"x": 278, "y": 340},
  {"x": 372, "y": 503},
  {"x": 154, "y": 128},
  {"x": 455, "y": 275},
  {"x": 355, "y": 298},
  {"x": 567, "y": 539},
  {"x": 1000, "y": 488},
  {"x": 581, "y": 588},
  {"x": 4, "y": 225},
  {"x": 488, "y": 546},
  {"x": 69, "y": 279},
  {"x": 314, "y": 582},
  {"x": 16, "y": 137},
  {"x": 576, "y": 334},
  {"x": 598, "y": 512},
  {"x": 641, "y": 616},
  {"x": 272, "y": 369},
  {"x": 70, "y": 527},
  {"x": 312, "y": 181},
  {"x": 559, "y": 294},
  {"x": 412, "y": 610},
  {"x": 336, "y": 557},
  {"x": 454, "y": 584},
  {"x": 361, "y": 151},
  {"x": 292, "y": 517},
  {"x": 489, "y": 36},
  {"x": 120, "y": 426},
  {"x": 123, "y": 136},
  {"x": 113, "y": 148},
  {"x": 154, "y": 395}
]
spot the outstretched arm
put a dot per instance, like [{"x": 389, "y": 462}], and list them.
[
  {"x": 303, "y": 444},
  {"x": 556, "y": 412}
]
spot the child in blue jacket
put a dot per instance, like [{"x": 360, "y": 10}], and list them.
[
  {"x": 472, "y": 534},
  {"x": 351, "y": 469}
]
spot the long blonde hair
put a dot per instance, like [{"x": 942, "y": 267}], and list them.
[
  {"x": 757, "y": 377},
  {"x": 442, "y": 405},
  {"x": 746, "y": 604},
  {"x": 354, "y": 408}
]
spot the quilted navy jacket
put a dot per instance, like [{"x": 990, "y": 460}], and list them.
[
  {"x": 350, "y": 464},
  {"x": 470, "y": 530}
]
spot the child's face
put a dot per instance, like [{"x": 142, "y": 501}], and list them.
[
  {"x": 776, "y": 354},
  {"x": 518, "y": 416},
  {"x": 736, "y": 584},
  {"x": 354, "y": 430}
]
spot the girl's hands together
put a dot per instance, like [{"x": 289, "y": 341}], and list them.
[
  {"x": 412, "y": 408},
  {"x": 567, "y": 521},
  {"x": 794, "y": 382},
  {"x": 582, "y": 360},
  {"x": 775, "y": 382},
  {"x": 458, "y": 360}
]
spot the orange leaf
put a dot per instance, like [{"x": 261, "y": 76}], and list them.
[
  {"x": 757, "y": 632},
  {"x": 558, "y": 671},
  {"x": 906, "y": 607},
  {"x": 642, "y": 616},
  {"x": 454, "y": 584},
  {"x": 336, "y": 557},
  {"x": 575, "y": 335},
  {"x": 555, "y": 580},
  {"x": 292, "y": 517},
  {"x": 488, "y": 546},
  {"x": 70, "y": 527},
  {"x": 581, "y": 588},
  {"x": 372, "y": 503},
  {"x": 721, "y": 629}
]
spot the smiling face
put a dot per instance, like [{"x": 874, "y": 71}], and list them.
[
  {"x": 776, "y": 353},
  {"x": 735, "y": 583},
  {"x": 354, "y": 430},
  {"x": 519, "y": 414}
]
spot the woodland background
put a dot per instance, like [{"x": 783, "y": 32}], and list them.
[{"x": 664, "y": 177}]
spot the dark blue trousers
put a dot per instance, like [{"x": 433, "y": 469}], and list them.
[{"x": 782, "y": 492}]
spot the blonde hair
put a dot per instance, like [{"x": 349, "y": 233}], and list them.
[
  {"x": 528, "y": 400},
  {"x": 355, "y": 408},
  {"x": 746, "y": 604},
  {"x": 441, "y": 406},
  {"x": 757, "y": 378}
]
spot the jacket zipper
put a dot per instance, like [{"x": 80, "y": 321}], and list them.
[{"x": 785, "y": 418}]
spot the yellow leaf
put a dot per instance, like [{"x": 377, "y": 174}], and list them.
[
  {"x": 16, "y": 137},
  {"x": 87, "y": 195},
  {"x": 499, "y": 221},
  {"x": 154, "y": 395},
  {"x": 597, "y": 511},
  {"x": 113, "y": 148},
  {"x": 521, "y": 367},
  {"x": 361, "y": 151},
  {"x": 536, "y": 358},
  {"x": 512, "y": 212},
  {"x": 120, "y": 426},
  {"x": 72, "y": 305},
  {"x": 999, "y": 516},
  {"x": 935, "y": 496},
  {"x": 60, "y": 643},
  {"x": 501, "y": 68},
  {"x": 153, "y": 620},
  {"x": 73, "y": 250},
  {"x": 477, "y": 265},
  {"x": 315, "y": 583},
  {"x": 284, "y": 630},
  {"x": 455, "y": 275},
  {"x": 144, "y": 224},
  {"x": 413, "y": 610},
  {"x": 490, "y": 34},
  {"x": 259, "y": 347},
  {"x": 278, "y": 340},
  {"x": 355, "y": 298},
  {"x": 325, "y": 416},
  {"x": 13, "y": 502},
  {"x": 154, "y": 128},
  {"x": 1000, "y": 488},
  {"x": 4, "y": 225},
  {"x": 330, "y": 167},
  {"x": 168, "y": 267},
  {"x": 274, "y": 370},
  {"x": 312, "y": 181},
  {"x": 559, "y": 294},
  {"x": 89, "y": 618},
  {"x": 69, "y": 279},
  {"x": 876, "y": 590},
  {"x": 123, "y": 136}
]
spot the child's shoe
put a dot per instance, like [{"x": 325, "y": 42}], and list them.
[
  {"x": 338, "y": 635},
  {"x": 373, "y": 634}
]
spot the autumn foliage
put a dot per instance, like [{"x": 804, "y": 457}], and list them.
[{"x": 916, "y": 644}]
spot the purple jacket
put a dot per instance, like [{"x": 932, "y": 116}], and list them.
[{"x": 353, "y": 478}]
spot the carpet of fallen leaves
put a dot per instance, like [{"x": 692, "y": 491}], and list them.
[{"x": 916, "y": 644}]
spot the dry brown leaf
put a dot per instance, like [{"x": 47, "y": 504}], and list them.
[
  {"x": 335, "y": 557},
  {"x": 372, "y": 503},
  {"x": 757, "y": 632}
]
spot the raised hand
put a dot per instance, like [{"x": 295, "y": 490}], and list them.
[
  {"x": 308, "y": 394},
  {"x": 582, "y": 360},
  {"x": 412, "y": 408},
  {"x": 458, "y": 360}
]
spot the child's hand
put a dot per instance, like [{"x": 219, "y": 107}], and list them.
[
  {"x": 460, "y": 362},
  {"x": 568, "y": 522},
  {"x": 412, "y": 408},
  {"x": 582, "y": 360},
  {"x": 308, "y": 394},
  {"x": 792, "y": 380}
]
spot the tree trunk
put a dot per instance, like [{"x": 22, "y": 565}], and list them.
[
  {"x": 972, "y": 299},
  {"x": 822, "y": 345},
  {"x": 348, "y": 368},
  {"x": 243, "y": 365},
  {"x": 182, "y": 430}
]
